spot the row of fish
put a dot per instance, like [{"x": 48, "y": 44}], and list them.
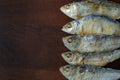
[{"x": 95, "y": 40}]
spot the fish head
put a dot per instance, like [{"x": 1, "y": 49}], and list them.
[
  {"x": 68, "y": 56},
  {"x": 73, "y": 58},
  {"x": 70, "y": 10},
  {"x": 71, "y": 42},
  {"x": 67, "y": 71},
  {"x": 70, "y": 27}
]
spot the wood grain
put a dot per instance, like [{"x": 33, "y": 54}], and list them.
[{"x": 30, "y": 39}]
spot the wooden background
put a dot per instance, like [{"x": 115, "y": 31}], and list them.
[{"x": 30, "y": 39}]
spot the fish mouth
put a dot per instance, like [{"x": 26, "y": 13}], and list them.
[
  {"x": 65, "y": 11},
  {"x": 62, "y": 9},
  {"x": 67, "y": 43},
  {"x": 63, "y": 56},
  {"x": 66, "y": 30},
  {"x": 61, "y": 70},
  {"x": 66, "y": 59},
  {"x": 64, "y": 40},
  {"x": 63, "y": 29}
]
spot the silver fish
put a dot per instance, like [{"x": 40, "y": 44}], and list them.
[
  {"x": 93, "y": 24},
  {"x": 91, "y": 43},
  {"x": 83, "y": 8},
  {"x": 96, "y": 59},
  {"x": 88, "y": 72}
]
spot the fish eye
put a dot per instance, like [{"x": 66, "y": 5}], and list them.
[
  {"x": 70, "y": 40},
  {"x": 67, "y": 6},
  {"x": 68, "y": 26},
  {"x": 68, "y": 55},
  {"x": 67, "y": 69}
]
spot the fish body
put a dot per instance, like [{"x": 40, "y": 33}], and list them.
[
  {"x": 96, "y": 59},
  {"x": 87, "y": 72},
  {"x": 93, "y": 24},
  {"x": 83, "y": 8},
  {"x": 91, "y": 43}
]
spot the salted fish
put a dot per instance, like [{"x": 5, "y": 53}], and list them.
[
  {"x": 91, "y": 43},
  {"x": 93, "y": 24},
  {"x": 87, "y": 72},
  {"x": 83, "y": 8},
  {"x": 96, "y": 59}
]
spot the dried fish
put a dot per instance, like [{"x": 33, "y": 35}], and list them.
[
  {"x": 91, "y": 43},
  {"x": 80, "y": 9},
  {"x": 93, "y": 24},
  {"x": 96, "y": 59},
  {"x": 87, "y": 72}
]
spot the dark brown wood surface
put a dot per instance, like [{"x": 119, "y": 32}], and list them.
[{"x": 31, "y": 39}]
